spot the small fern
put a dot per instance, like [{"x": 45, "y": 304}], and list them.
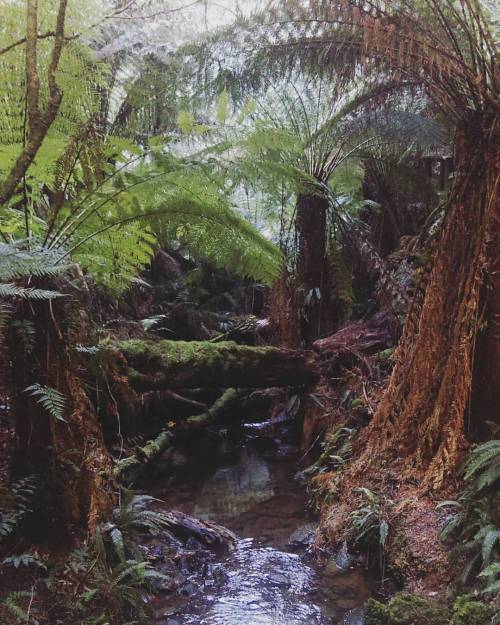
[
  {"x": 52, "y": 400},
  {"x": 369, "y": 525},
  {"x": 474, "y": 519},
  {"x": 26, "y": 332},
  {"x": 16, "y": 603},
  {"x": 23, "y": 560},
  {"x": 15, "y": 504},
  {"x": 482, "y": 470}
]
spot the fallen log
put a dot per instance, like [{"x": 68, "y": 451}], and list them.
[
  {"x": 157, "y": 365},
  {"x": 209, "y": 534},
  {"x": 363, "y": 336}
]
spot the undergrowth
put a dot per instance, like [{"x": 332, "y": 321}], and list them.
[
  {"x": 106, "y": 581},
  {"x": 473, "y": 524}
]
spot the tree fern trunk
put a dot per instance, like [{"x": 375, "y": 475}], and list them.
[
  {"x": 70, "y": 450},
  {"x": 423, "y": 413},
  {"x": 311, "y": 232}
]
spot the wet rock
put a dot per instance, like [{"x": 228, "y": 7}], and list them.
[
  {"x": 343, "y": 559},
  {"x": 193, "y": 545},
  {"x": 278, "y": 579},
  {"x": 303, "y": 536},
  {"x": 220, "y": 575},
  {"x": 170, "y": 584},
  {"x": 355, "y": 617},
  {"x": 287, "y": 452},
  {"x": 189, "y": 589}
]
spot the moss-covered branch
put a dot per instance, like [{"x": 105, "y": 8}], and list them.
[{"x": 129, "y": 469}]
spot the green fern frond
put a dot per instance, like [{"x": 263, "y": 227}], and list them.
[
  {"x": 118, "y": 543},
  {"x": 17, "y": 604},
  {"x": 52, "y": 400},
  {"x": 12, "y": 290},
  {"x": 17, "y": 262},
  {"x": 15, "y": 503}
]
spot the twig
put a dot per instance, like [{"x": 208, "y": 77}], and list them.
[{"x": 30, "y": 604}]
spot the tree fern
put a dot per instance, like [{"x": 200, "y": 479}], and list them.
[{"x": 17, "y": 261}]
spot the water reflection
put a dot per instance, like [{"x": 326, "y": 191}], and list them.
[{"x": 235, "y": 489}]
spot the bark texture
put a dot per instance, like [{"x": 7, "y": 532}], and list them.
[
  {"x": 423, "y": 414},
  {"x": 311, "y": 232}
]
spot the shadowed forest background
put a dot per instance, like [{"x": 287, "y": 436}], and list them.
[{"x": 259, "y": 240}]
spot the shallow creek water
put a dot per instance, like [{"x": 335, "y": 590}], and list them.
[{"x": 269, "y": 578}]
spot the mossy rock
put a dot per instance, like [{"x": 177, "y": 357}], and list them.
[
  {"x": 469, "y": 611},
  {"x": 407, "y": 609},
  {"x": 376, "y": 613}
]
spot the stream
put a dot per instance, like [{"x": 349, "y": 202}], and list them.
[{"x": 271, "y": 577}]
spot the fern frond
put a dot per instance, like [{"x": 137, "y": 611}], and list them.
[
  {"x": 15, "y": 504},
  {"x": 118, "y": 543},
  {"x": 52, "y": 400},
  {"x": 17, "y": 262},
  {"x": 14, "y": 602},
  {"x": 12, "y": 290}
]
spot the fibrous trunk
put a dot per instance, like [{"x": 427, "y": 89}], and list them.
[
  {"x": 423, "y": 415},
  {"x": 311, "y": 231},
  {"x": 68, "y": 447}
]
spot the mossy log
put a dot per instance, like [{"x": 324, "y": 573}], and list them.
[
  {"x": 158, "y": 365},
  {"x": 130, "y": 468}
]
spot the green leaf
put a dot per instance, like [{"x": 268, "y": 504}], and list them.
[
  {"x": 185, "y": 121},
  {"x": 223, "y": 107},
  {"x": 384, "y": 532},
  {"x": 52, "y": 400}
]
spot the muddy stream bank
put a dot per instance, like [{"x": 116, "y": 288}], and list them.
[{"x": 247, "y": 481}]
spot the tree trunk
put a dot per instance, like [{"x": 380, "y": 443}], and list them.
[
  {"x": 311, "y": 232},
  {"x": 422, "y": 415},
  {"x": 159, "y": 365},
  {"x": 70, "y": 450}
]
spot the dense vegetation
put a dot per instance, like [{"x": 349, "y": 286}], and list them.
[{"x": 182, "y": 210}]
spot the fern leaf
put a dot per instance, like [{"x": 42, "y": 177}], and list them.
[
  {"x": 11, "y": 290},
  {"x": 489, "y": 542},
  {"x": 52, "y": 400},
  {"x": 118, "y": 543}
]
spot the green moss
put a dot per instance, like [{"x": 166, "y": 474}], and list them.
[
  {"x": 376, "y": 613},
  {"x": 386, "y": 353},
  {"x": 188, "y": 352},
  {"x": 407, "y": 609},
  {"x": 468, "y": 611}
]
